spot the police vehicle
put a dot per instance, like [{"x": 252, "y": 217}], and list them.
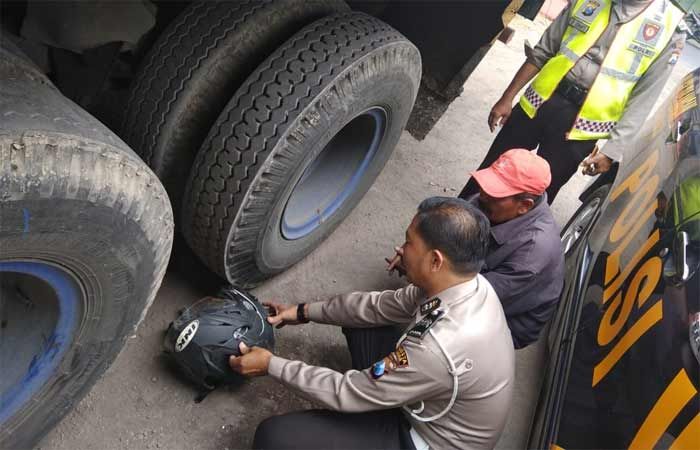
[{"x": 623, "y": 346}]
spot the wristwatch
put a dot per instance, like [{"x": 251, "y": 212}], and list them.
[{"x": 301, "y": 317}]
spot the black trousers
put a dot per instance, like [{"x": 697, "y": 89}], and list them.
[
  {"x": 548, "y": 129},
  {"x": 327, "y": 430}
]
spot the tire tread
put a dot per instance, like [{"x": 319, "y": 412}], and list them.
[{"x": 183, "y": 85}]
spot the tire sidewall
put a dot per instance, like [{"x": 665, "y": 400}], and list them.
[{"x": 108, "y": 257}]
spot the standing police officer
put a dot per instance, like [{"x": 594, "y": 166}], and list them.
[
  {"x": 445, "y": 383},
  {"x": 600, "y": 67}
]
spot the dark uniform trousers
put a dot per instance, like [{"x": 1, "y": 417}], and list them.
[
  {"x": 324, "y": 429},
  {"x": 548, "y": 130}
]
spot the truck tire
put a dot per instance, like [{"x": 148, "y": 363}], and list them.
[
  {"x": 298, "y": 146},
  {"x": 85, "y": 235},
  {"x": 193, "y": 70}
]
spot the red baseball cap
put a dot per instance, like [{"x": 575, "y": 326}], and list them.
[{"x": 515, "y": 172}]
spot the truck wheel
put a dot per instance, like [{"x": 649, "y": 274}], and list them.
[
  {"x": 85, "y": 236},
  {"x": 195, "y": 67},
  {"x": 299, "y": 145}
]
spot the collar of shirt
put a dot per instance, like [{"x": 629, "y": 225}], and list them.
[
  {"x": 453, "y": 294},
  {"x": 501, "y": 232}
]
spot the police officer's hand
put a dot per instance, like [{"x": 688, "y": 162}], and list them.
[
  {"x": 396, "y": 263},
  {"x": 253, "y": 362},
  {"x": 282, "y": 314},
  {"x": 596, "y": 163},
  {"x": 500, "y": 113}
]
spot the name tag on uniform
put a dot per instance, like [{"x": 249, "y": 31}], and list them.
[
  {"x": 426, "y": 323},
  {"x": 641, "y": 49},
  {"x": 430, "y": 305},
  {"x": 580, "y": 25}
]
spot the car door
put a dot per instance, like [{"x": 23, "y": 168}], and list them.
[{"x": 623, "y": 368}]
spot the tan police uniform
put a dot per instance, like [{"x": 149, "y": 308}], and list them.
[{"x": 452, "y": 371}]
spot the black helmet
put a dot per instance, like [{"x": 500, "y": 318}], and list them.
[{"x": 203, "y": 337}]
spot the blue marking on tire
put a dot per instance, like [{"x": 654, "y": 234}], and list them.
[{"x": 45, "y": 362}]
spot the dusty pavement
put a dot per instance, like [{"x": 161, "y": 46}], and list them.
[{"x": 140, "y": 404}]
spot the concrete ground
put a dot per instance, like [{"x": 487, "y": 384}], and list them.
[{"x": 140, "y": 404}]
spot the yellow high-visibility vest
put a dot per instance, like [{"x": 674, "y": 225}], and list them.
[
  {"x": 636, "y": 45},
  {"x": 686, "y": 205}
]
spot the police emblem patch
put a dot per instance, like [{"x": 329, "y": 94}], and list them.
[
  {"x": 590, "y": 8},
  {"x": 650, "y": 30}
]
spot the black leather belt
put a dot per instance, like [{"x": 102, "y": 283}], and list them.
[{"x": 572, "y": 92}]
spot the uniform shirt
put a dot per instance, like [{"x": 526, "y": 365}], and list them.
[
  {"x": 584, "y": 72},
  {"x": 525, "y": 266},
  {"x": 473, "y": 332}
]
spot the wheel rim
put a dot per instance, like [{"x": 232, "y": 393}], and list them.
[
  {"x": 38, "y": 319},
  {"x": 333, "y": 176},
  {"x": 580, "y": 224}
]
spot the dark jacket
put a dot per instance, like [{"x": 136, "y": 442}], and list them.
[{"x": 525, "y": 266}]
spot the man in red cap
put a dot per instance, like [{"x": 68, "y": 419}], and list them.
[{"x": 525, "y": 261}]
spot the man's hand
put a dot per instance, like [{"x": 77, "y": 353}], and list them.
[
  {"x": 253, "y": 362},
  {"x": 395, "y": 263},
  {"x": 282, "y": 314},
  {"x": 500, "y": 113},
  {"x": 596, "y": 163}
]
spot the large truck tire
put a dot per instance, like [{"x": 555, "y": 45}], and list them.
[
  {"x": 298, "y": 146},
  {"x": 85, "y": 235},
  {"x": 193, "y": 70}
]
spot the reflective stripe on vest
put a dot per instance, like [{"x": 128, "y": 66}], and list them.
[
  {"x": 686, "y": 204},
  {"x": 636, "y": 45}
]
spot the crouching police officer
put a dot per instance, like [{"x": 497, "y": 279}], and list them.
[{"x": 446, "y": 382}]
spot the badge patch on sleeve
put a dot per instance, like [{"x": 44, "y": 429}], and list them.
[
  {"x": 399, "y": 357},
  {"x": 395, "y": 360},
  {"x": 378, "y": 369}
]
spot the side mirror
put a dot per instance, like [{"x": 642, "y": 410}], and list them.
[
  {"x": 680, "y": 257},
  {"x": 679, "y": 264}
]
